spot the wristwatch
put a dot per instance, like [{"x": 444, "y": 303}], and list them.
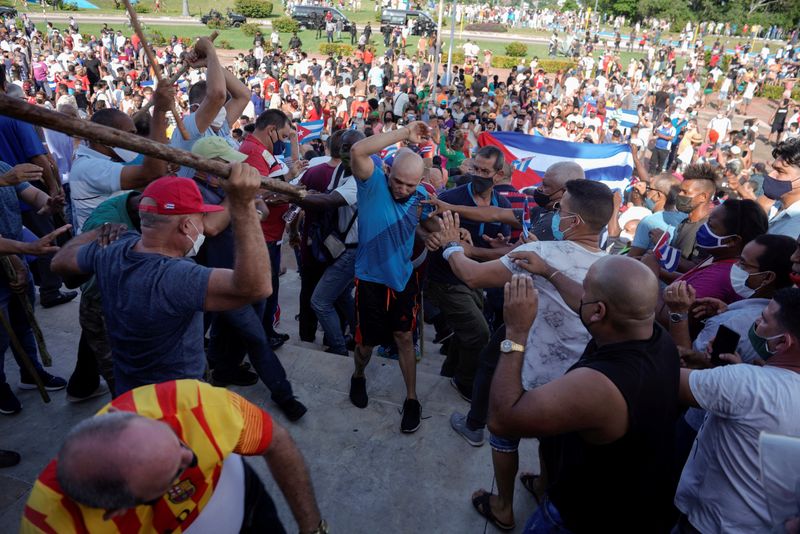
[
  {"x": 509, "y": 346},
  {"x": 451, "y": 244},
  {"x": 678, "y": 317}
]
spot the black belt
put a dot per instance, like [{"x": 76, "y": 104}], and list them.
[{"x": 351, "y": 245}]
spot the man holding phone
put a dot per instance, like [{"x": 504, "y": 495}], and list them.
[{"x": 742, "y": 401}]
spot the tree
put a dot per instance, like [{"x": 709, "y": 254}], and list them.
[{"x": 624, "y": 7}]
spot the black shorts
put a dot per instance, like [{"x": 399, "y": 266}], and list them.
[{"x": 381, "y": 311}]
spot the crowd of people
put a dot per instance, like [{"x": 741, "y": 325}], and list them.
[{"x": 592, "y": 319}]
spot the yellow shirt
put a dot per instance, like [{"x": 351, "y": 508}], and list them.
[{"x": 213, "y": 422}]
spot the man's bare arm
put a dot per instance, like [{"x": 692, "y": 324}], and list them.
[{"x": 289, "y": 470}]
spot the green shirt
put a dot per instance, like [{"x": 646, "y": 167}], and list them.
[{"x": 112, "y": 210}]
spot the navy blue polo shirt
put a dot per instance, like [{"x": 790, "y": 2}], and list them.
[
  {"x": 217, "y": 251},
  {"x": 438, "y": 269}
]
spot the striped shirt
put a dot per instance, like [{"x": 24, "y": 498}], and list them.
[{"x": 213, "y": 422}]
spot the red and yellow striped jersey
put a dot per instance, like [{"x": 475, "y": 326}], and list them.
[{"x": 213, "y": 422}]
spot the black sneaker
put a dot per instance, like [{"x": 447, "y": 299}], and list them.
[
  {"x": 293, "y": 409},
  {"x": 62, "y": 297},
  {"x": 277, "y": 342},
  {"x": 9, "y": 458},
  {"x": 51, "y": 383},
  {"x": 9, "y": 403},
  {"x": 358, "y": 391},
  {"x": 412, "y": 410},
  {"x": 233, "y": 377}
]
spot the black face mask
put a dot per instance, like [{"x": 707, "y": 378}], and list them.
[{"x": 480, "y": 184}]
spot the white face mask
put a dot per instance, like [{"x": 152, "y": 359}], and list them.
[
  {"x": 739, "y": 279},
  {"x": 125, "y": 155},
  {"x": 196, "y": 242},
  {"x": 219, "y": 120}
]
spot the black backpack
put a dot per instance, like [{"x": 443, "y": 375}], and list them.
[{"x": 327, "y": 243}]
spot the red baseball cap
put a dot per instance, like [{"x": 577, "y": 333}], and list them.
[{"x": 176, "y": 196}]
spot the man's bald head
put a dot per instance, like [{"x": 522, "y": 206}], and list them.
[
  {"x": 558, "y": 174},
  {"x": 406, "y": 173},
  {"x": 114, "y": 118},
  {"x": 627, "y": 287},
  {"x": 118, "y": 460}
]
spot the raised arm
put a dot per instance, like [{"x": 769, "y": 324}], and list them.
[
  {"x": 138, "y": 176},
  {"x": 250, "y": 278},
  {"x": 360, "y": 161},
  {"x": 240, "y": 97},
  {"x": 204, "y": 55}
]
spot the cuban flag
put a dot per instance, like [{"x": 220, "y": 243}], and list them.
[
  {"x": 388, "y": 153},
  {"x": 531, "y": 155},
  {"x": 307, "y": 131},
  {"x": 668, "y": 257},
  {"x": 627, "y": 118},
  {"x": 526, "y": 218}
]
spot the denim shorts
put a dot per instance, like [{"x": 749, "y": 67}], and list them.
[{"x": 503, "y": 444}]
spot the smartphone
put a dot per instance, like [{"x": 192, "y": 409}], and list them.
[{"x": 725, "y": 342}]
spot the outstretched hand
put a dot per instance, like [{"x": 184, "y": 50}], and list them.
[{"x": 521, "y": 303}]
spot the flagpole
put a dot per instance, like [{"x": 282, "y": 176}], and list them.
[
  {"x": 438, "y": 52},
  {"x": 452, "y": 38}
]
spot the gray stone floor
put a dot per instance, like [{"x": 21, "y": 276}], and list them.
[{"x": 368, "y": 476}]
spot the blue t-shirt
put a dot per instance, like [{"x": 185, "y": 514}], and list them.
[
  {"x": 19, "y": 141},
  {"x": 10, "y": 216},
  {"x": 662, "y": 220},
  {"x": 438, "y": 269},
  {"x": 386, "y": 231},
  {"x": 190, "y": 123},
  {"x": 153, "y": 307}
]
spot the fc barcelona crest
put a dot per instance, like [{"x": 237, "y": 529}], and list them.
[{"x": 181, "y": 492}]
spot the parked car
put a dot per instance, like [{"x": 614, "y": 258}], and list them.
[
  {"x": 6, "y": 11},
  {"x": 421, "y": 22},
  {"x": 304, "y": 14},
  {"x": 234, "y": 19}
]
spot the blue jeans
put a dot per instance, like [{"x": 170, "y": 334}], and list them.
[
  {"x": 11, "y": 307},
  {"x": 274, "y": 249},
  {"x": 234, "y": 332},
  {"x": 335, "y": 288},
  {"x": 545, "y": 520}
]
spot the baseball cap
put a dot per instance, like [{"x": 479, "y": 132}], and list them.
[
  {"x": 213, "y": 146},
  {"x": 176, "y": 196}
]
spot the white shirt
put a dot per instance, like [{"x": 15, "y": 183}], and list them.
[
  {"x": 349, "y": 191},
  {"x": 786, "y": 222},
  {"x": 94, "y": 177},
  {"x": 720, "y": 488},
  {"x": 721, "y": 126},
  {"x": 557, "y": 338}
]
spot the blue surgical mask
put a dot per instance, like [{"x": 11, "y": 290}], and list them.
[
  {"x": 705, "y": 238},
  {"x": 555, "y": 222},
  {"x": 649, "y": 203}
]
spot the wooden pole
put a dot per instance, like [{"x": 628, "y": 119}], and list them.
[
  {"x": 11, "y": 274},
  {"x": 181, "y": 71},
  {"x": 27, "y": 363},
  {"x": 53, "y": 120},
  {"x": 151, "y": 58}
]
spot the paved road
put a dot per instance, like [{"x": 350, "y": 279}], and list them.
[{"x": 191, "y": 21}]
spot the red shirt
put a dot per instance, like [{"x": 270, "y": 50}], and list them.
[
  {"x": 255, "y": 150},
  {"x": 270, "y": 86}
]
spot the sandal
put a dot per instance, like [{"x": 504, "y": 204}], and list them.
[
  {"x": 529, "y": 482},
  {"x": 482, "y": 505}
]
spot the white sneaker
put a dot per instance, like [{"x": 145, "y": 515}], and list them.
[{"x": 101, "y": 390}]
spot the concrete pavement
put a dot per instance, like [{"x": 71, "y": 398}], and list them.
[{"x": 368, "y": 476}]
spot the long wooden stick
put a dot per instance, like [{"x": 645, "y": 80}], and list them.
[
  {"x": 151, "y": 58},
  {"x": 27, "y": 363},
  {"x": 184, "y": 68},
  {"x": 11, "y": 274},
  {"x": 53, "y": 120}
]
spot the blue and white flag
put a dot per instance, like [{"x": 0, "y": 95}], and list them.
[
  {"x": 306, "y": 131},
  {"x": 627, "y": 118},
  {"x": 532, "y": 155},
  {"x": 668, "y": 256}
]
